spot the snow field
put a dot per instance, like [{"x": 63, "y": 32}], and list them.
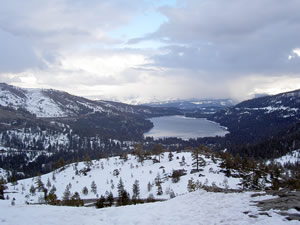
[
  {"x": 196, "y": 208},
  {"x": 102, "y": 172}
]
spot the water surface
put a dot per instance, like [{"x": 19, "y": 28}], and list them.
[{"x": 184, "y": 127}]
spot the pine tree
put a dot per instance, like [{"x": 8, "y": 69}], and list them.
[
  {"x": 94, "y": 187},
  {"x": 110, "y": 199},
  {"x": 136, "y": 190},
  {"x": 66, "y": 196},
  {"x": 53, "y": 177},
  {"x": 120, "y": 188},
  {"x": 170, "y": 156},
  {"x": 191, "y": 186},
  {"x": 32, "y": 190},
  {"x": 76, "y": 200},
  {"x": 85, "y": 191},
  {"x": 198, "y": 161},
  {"x": 2, "y": 187},
  {"x": 139, "y": 152},
  {"x": 100, "y": 203},
  {"x": 157, "y": 150},
  {"x": 40, "y": 184},
  {"x": 123, "y": 195},
  {"x": 88, "y": 162},
  {"x": 48, "y": 183},
  {"x": 159, "y": 189},
  {"x": 183, "y": 160},
  {"x": 52, "y": 190},
  {"x": 149, "y": 186}
]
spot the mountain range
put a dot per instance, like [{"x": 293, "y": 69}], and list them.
[
  {"x": 258, "y": 118},
  {"x": 40, "y": 126},
  {"x": 194, "y": 104}
]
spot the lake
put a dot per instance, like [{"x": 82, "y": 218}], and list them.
[{"x": 184, "y": 127}]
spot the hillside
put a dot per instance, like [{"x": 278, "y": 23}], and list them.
[
  {"x": 38, "y": 126},
  {"x": 106, "y": 173},
  {"x": 199, "y": 206},
  {"x": 251, "y": 121},
  {"x": 54, "y": 103}
]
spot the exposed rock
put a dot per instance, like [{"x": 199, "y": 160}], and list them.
[{"x": 285, "y": 201}]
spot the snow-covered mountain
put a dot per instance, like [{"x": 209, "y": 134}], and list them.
[
  {"x": 260, "y": 117},
  {"x": 53, "y": 103},
  {"x": 291, "y": 157},
  {"x": 194, "y": 103}
]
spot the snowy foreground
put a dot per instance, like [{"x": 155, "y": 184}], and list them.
[
  {"x": 195, "y": 208},
  {"x": 198, "y": 207}
]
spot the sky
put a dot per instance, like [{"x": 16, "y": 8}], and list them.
[{"x": 148, "y": 50}]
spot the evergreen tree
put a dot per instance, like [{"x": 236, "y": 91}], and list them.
[
  {"x": 191, "y": 186},
  {"x": 85, "y": 191},
  {"x": 76, "y": 200},
  {"x": 125, "y": 199},
  {"x": 136, "y": 190},
  {"x": 48, "y": 183},
  {"x": 157, "y": 179},
  {"x": 66, "y": 196},
  {"x": 94, "y": 187},
  {"x": 100, "y": 203},
  {"x": 110, "y": 199},
  {"x": 53, "y": 177},
  {"x": 53, "y": 189},
  {"x": 183, "y": 159},
  {"x": 87, "y": 161},
  {"x": 32, "y": 190},
  {"x": 149, "y": 186},
  {"x": 39, "y": 184},
  {"x": 159, "y": 189},
  {"x": 157, "y": 150},
  {"x": 139, "y": 152},
  {"x": 120, "y": 188},
  {"x": 123, "y": 195},
  {"x": 52, "y": 199},
  {"x": 170, "y": 156},
  {"x": 198, "y": 161},
  {"x": 2, "y": 187}
]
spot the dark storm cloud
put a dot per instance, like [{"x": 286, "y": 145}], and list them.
[{"x": 237, "y": 37}]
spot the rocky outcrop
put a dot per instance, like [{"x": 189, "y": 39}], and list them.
[{"x": 285, "y": 200}]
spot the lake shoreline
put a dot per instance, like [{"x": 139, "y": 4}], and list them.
[{"x": 184, "y": 127}]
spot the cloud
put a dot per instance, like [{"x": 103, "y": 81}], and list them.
[
  {"x": 17, "y": 54},
  {"x": 202, "y": 49},
  {"x": 237, "y": 37},
  {"x": 37, "y": 31}
]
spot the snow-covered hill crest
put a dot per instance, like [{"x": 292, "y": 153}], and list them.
[
  {"x": 198, "y": 207},
  {"x": 54, "y": 103},
  {"x": 43, "y": 102}
]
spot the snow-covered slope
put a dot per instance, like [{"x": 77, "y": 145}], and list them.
[
  {"x": 253, "y": 120},
  {"x": 194, "y": 103},
  {"x": 32, "y": 100},
  {"x": 197, "y": 208},
  {"x": 35, "y": 101},
  {"x": 54, "y": 103},
  {"x": 103, "y": 172},
  {"x": 291, "y": 157}
]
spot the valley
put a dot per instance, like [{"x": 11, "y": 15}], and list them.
[{"x": 63, "y": 150}]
